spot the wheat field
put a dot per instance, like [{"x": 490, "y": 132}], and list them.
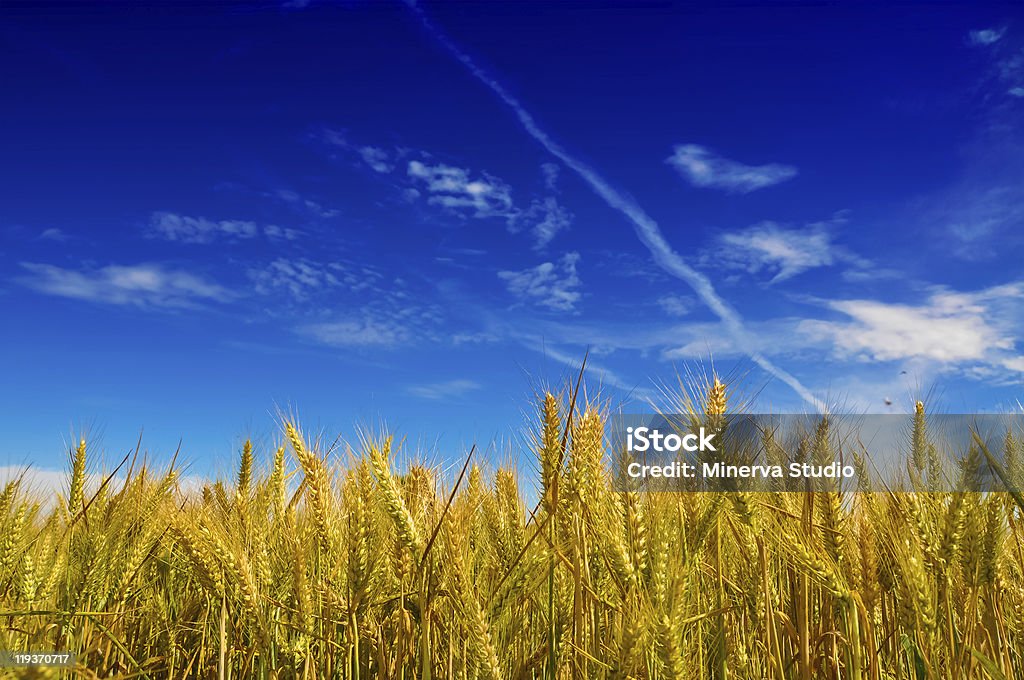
[{"x": 332, "y": 562}]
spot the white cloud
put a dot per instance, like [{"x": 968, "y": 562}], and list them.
[
  {"x": 306, "y": 204},
  {"x": 53, "y": 234},
  {"x": 1014, "y": 364},
  {"x": 866, "y": 273},
  {"x": 976, "y": 334},
  {"x": 1011, "y": 71},
  {"x": 144, "y": 285},
  {"x": 378, "y": 159},
  {"x": 676, "y": 305},
  {"x": 353, "y": 304},
  {"x": 975, "y": 216},
  {"x": 1008, "y": 59},
  {"x": 364, "y": 332},
  {"x": 465, "y": 192},
  {"x": 186, "y": 229},
  {"x": 987, "y": 36},
  {"x": 951, "y": 328},
  {"x": 485, "y": 196},
  {"x": 551, "y": 172},
  {"x": 449, "y": 389},
  {"x": 301, "y": 277},
  {"x": 333, "y": 137},
  {"x": 546, "y": 219},
  {"x": 454, "y": 188},
  {"x": 784, "y": 252},
  {"x": 274, "y": 232},
  {"x": 702, "y": 168},
  {"x": 554, "y": 285}
]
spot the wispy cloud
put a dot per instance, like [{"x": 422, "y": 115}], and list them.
[
  {"x": 782, "y": 252},
  {"x": 646, "y": 228},
  {"x": 450, "y": 389},
  {"x": 351, "y": 304},
  {"x": 676, "y": 305},
  {"x": 174, "y": 227},
  {"x": 485, "y": 196},
  {"x": 477, "y": 338},
  {"x": 53, "y": 234},
  {"x": 274, "y": 232},
  {"x": 301, "y": 277},
  {"x": 672, "y": 339},
  {"x": 1011, "y": 72},
  {"x": 975, "y": 215},
  {"x": 185, "y": 229},
  {"x": 372, "y": 312},
  {"x": 551, "y": 172},
  {"x": 545, "y": 219},
  {"x": 308, "y": 205},
  {"x": 630, "y": 265},
  {"x": 361, "y": 332},
  {"x": 298, "y": 203},
  {"x": 703, "y": 168},
  {"x": 986, "y": 36},
  {"x": 701, "y": 340},
  {"x": 787, "y": 252},
  {"x": 453, "y": 187},
  {"x": 595, "y": 369},
  {"x": 465, "y": 192},
  {"x": 554, "y": 285},
  {"x": 142, "y": 285},
  {"x": 1007, "y": 58},
  {"x": 376, "y": 158}
]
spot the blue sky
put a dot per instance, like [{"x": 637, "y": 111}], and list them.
[{"x": 373, "y": 212}]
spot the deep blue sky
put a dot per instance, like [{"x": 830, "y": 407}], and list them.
[{"x": 209, "y": 211}]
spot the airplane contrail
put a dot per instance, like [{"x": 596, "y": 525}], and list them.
[{"x": 645, "y": 226}]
